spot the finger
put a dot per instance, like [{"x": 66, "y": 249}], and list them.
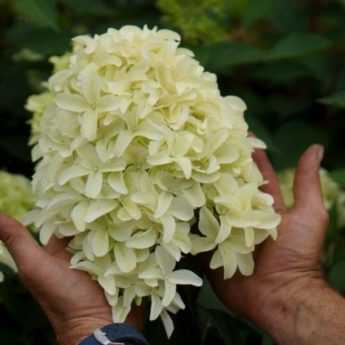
[
  {"x": 307, "y": 185},
  {"x": 272, "y": 186},
  {"x": 23, "y": 248},
  {"x": 56, "y": 247}
]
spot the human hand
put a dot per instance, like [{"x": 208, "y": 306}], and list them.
[
  {"x": 74, "y": 303},
  {"x": 288, "y": 269}
]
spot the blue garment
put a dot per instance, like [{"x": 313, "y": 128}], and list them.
[{"x": 117, "y": 333}]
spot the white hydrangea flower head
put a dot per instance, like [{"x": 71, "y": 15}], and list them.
[
  {"x": 333, "y": 194},
  {"x": 330, "y": 189},
  {"x": 137, "y": 147},
  {"x": 341, "y": 209},
  {"x": 16, "y": 199},
  {"x": 37, "y": 104}
]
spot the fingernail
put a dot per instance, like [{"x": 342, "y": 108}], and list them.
[{"x": 319, "y": 152}]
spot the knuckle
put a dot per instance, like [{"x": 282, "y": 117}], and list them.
[
  {"x": 9, "y": 239},
  {"x": 322, "y": 215}
]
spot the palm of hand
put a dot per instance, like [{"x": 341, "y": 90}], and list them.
[
  {"x": 79, "y": 297},
  {"x": 74, "y": 303},
  {"x": 292, "y": 262}
]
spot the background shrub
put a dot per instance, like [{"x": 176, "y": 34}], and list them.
[{"x": 286, "y": 59}]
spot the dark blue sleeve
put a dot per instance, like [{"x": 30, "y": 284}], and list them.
[{"x": 117, "y": 333}]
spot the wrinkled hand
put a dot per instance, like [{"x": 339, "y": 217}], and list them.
[
  {"x": 289, "y": 266},
  {"x": 74, "y": 303}
]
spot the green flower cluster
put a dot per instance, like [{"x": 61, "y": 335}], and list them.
[
  {"x": 16, "y": 199},
  {"x": 37, "y": 104},
  {"x": 198, "y": 20},
  {"x": 333, "y": 194}
]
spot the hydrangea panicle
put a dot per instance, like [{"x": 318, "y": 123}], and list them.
[
  {"x": 16, "y": 200},
  {"x": 136, "y": 146},
  {"x": 333, "y": 194}
]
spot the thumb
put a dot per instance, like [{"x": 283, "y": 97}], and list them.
[
  {"x": 18, "y": 241},
  {"x": 307, "y": 185}
]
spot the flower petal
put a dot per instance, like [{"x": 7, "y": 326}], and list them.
[
  {"x": 99, "y": 242},
  {"x": 142, "y": 239},
  {"x": 185, "y": 277},
  {"x": 125, "y": 258},
  {"x": 246, "y": 264},
  {"x": 89, "y": 123},
  {"x": 165, "y": 261},
  {"x": 78, "y": 215},
  {"x": 163, "y": 203},
  {"x": 122, "y": 142},
  {"x": 167, "y": 323},
  {"x": 169, "y": 293},
  {"x": 71, "y": 172},
  {"x": 169, "y": 226},
  {"x": 94, "y": 184},
  {"x": 71, "y": 102},
  {"x": 181, "y": 209},
  {"x": 156, "y": 307},
  {"x": 208, "y": 224},
  {"x": 117, "y": 182},
  {"x": 98, "y": 208}
]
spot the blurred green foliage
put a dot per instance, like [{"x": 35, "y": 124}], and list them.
[{"x": 286, "y": 59}]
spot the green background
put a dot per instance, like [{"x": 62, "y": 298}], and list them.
[{"x": 285, "y": 58}]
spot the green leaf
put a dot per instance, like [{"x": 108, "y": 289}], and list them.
[
  {"x": 39, "y": 12},
  {"x": 43, "y": 41},
  {"x": 336, "y": 100},
  {"x": 223, "y": 55},
  {"x": 336, "y": 276},
  {"x": 89, "y": 7},
  {"x": 284, "y": 15},
  {"x": 333, "y": 231},
  {"x": 208, "y": 299},
  {"x": 293, "y": 138},
  {"x": 297, "y": 45},
  {"x": 220, "y": 56},
  {"x": 266, "y": 340},
  {"x": 259, "y": 129},
  {"x": 339, "y": 176},
  {"x": 229, "y": 329}
]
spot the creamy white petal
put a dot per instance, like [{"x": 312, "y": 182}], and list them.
[
  {"x": 117, "y": 182},
  {"x": 125, "y": 258},
  {"x": 71, "y": 102},
  {"x": 169, "y": 293},
  {"x": 156, "y": 307},
  {"x": 46, "y": 232},
  {"x": 108, "y": 103},
  {"x": 98, "y": 208},
  {"x": 72, "y": 172},
  {"x": 122, "y": 142},
  {"x": 195, "y": 195},
  {"x": 245, "y": 264},
  {"x": 185, "y": 165},
  {"x": 163, "y": 204},
  {"x": 181, "y": 209},
  {"x": 78, "y": 215},
  {"x": 208, "y": 224},
  {"x": 100, "y": 243},
  {"x": 94, "y": 184},
  {"x": 185, "y": 277},
  {"x": 168, "y": 323},
  {"x": 165, "y": 261},
  {"x": 142, "y": 239},
  {"x": 169, "y": 227},
  {"x": 89, "y": 125},
  {"x": 108, "y": 284}
]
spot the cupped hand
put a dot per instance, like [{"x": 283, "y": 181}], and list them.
[
  {"x": 74, "y": 303},
  {"x": 290, "y": 265}
]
